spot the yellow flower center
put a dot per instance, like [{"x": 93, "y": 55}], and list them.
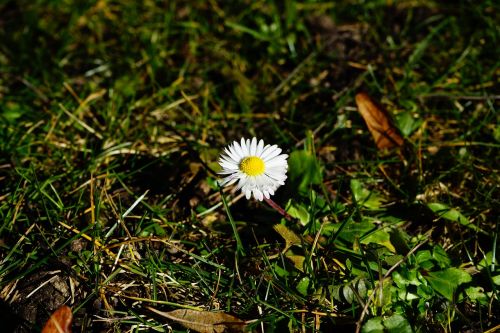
[{"x": 252, "y": 166}]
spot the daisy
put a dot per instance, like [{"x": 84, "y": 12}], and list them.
[{"x": 258, "y": 169}]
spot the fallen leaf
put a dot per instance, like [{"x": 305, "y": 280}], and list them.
[
  {"x": 288, "y": 235},
  {"x": 385, "y": 134},
  {"x": 204, "y": 321},
  {"x": 60, "y": 321},
  {"x": 298, "y": 261}
]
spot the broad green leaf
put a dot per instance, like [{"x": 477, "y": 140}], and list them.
[
  {"x": 380, "y": 237},
  {"x": 423, "y": 255},
  {"x": 476, "y": 294},
  {"x": 393, "y": 324},
  {"x": 440, "y": 255},
  {"x": 496, "y": 280},
  {"x": 348, "y": 294},
  {"x": 303, "y": 285},
  {"x": 407, "y": 123},
  {"x": 392, "y": 260},
  {"x": 335, "y": 291},
  {"x": 11, "y": 111},
  {"x": 354, "y": 230},
  {"x": 446, "y": 282},
  {"x": 450, "y": 214},
  {"x": 304, "y": 170},
  {"x": 361, "y": 287},
  {"x": 404, "y": 277},
  {"x": 383, "y": 296},
  {"x": 373, "y": 325},
  {"x": 397, "y": 324},
  {"x": 298, "y": 211},
  {"x": 487, "y": 261},
  {"x": 424, "y": 259},
  {"x": 365, "y": 197},
  {"x": 280, "y": 271}
]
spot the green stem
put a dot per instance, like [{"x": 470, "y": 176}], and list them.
[
  {"x": 239, "y": 244},
  {"x": 277, "y": 207}
]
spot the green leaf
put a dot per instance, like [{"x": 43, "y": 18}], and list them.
[
  {"x": 383, "y": 296},
  {"x": 407, "y": 124},
  {"x": 391, "y": 260},
  {"x": 304, "y": 170},
  {"x": 446, "y": 282},
  {"x": 348, "y": 294},
  {"x": 380, "y": 237},
  {"x": 298, "y": 211},
  {"x": 451, "y": 214},
  {"x": 440, "y": 255},
  {"x": 365, "y": 197},
  {"x": 361, "y": 287},
  {"x": 335, "y": 291},
  {"x": 303, "y": 286},
  {"x": 280, "y": 271},
  {"x": 476, "y": 294},
  {"x": 11, "y": 111},
  {"x": 373, "y": 325},
  {"x": 496, "y": 280},
  {"x": 393, "y": 324},
  {"x": 354, "y": 230},
  {"x": 424, "y": 258},
  {"x": 487, "y": 261},
  {"x": 496, "y": 133},
  {"x": 397, "y": 324}
]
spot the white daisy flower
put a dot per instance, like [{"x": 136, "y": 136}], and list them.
[{"x": 259, "y": 169}]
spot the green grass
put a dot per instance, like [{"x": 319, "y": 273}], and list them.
[{"x": 112, "y": 116}]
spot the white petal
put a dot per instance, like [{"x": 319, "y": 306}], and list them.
[
  {"x": 276, "y": 171},
  {"x": 253, "y": 146},
  {"x": 244, "y": 148},
  {"x": 238, "y": 150},
  {"x": 226, "y": 172},
  {"x": 229, "y": 153},
  {"x": 232, "y": 153},
  {"x": 276, "y": 162},
  {"x": 248, "y": 147},
  {"x": 241, "y": 183},
  {"x": 228, "y": 180},
  {"x": 227, "y": 165},
  {"x": 272, "y": 154},
  {"x": 226, "y": 159},
  {"x": 260, "y": 148},
  {"x": 258, "y": 194},
  {"x": 248, "y": 194},
  {"x": 267, "y": 151}
]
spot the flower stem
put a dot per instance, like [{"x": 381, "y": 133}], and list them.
[
  {"x": 239, "y": 244},
  {"x": 277, "y": 207}
]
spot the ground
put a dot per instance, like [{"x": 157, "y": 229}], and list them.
[{"x": 112, "y": 119}]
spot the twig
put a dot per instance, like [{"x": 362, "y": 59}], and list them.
[{"x": 381, "y": 283}]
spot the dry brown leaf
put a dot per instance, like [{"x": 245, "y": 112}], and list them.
[
  {"x": 298, "y": 261},
  {"x": 204, "y": 321},
  {"x": 288, "y": 235},
  {"x": 379, "y": 123},
  {"x": 60, "y": 321}
]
